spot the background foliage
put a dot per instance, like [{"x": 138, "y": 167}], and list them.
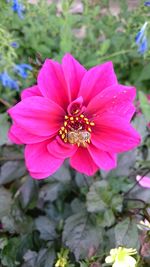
[{"x": 79, "y": 217}]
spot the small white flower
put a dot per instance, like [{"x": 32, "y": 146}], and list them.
[{"x": 121, "y": 257}]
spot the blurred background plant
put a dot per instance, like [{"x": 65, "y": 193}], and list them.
[{"x": 88, "y": 216}]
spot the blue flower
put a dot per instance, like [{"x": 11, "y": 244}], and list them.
[
  {"x": 147, "y": 3},
  {"x": 14, "y": 44},
  {"x": 22, "y": 70},
  {"x": 7, "y": 81},
  {"x": 18, "y": 8},
  {"x": 141, "y": 39},
  {"x": 143, "y": 46}
]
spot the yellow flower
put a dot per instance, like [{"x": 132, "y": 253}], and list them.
[
  {"x": 61, "y": 262},
  {"x": 121, "y": 257}
]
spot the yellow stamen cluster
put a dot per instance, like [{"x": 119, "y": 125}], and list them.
[{"x": 79, "y": 127}]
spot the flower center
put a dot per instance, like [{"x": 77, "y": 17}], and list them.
[{"x": 76, "y": 130}]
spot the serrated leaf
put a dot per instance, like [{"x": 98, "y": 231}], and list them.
[
  {"x": 46, "y": 228},
  {"x": 4, "y": 126},
  {"x": 126, "y": 234},
  {"x": 100, "y": 197},
  {"x": 80, "y": 234}
]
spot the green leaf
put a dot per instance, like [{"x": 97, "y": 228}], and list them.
[
  {"x": 4, "y": 126},
  {"x": 81, "y": 234},
  {"x": 9, "y": 253},
  {"x": 44, "y": 258},
  {"x": 50, "y": 192},
  {"x": 126, "y": 234},
  {"x": 106, "y": 218},
  {"x": 28, "y": 191},
  {"x": 30, "y": 258},
  {"x": 101, "y": 197},
  {"x": 145, "y": 105},
  {"x": 46, "y": 228},
  {"x": 104, "y": 46},
  {"x": 95, "y": 202},
  {"x": 11, "y": 170},
  {"x": 62, "y": 175},
  {"x": 5, "y": 202}
]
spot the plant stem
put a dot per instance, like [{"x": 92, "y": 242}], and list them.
[
  {"x": 116, "y": 54},
  {"x": 5, "y": 103}
]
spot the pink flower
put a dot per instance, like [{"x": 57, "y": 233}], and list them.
[
  {"x": 74, "y": 113},
  {"x": 143, "y": 181}
]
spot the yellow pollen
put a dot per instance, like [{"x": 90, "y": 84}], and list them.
[
  {"x": 76, "y": 130},
  {"x": 81, "y": 116},
  {"x": 66, "y": 117},
  {"x": 63, "y": 136}
]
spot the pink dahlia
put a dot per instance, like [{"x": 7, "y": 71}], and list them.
[{"x": 74, "y": 113}]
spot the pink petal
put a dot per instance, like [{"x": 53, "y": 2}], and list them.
[
  {"x": 31, "y": 91},
  {"x": 75, "y": 105},
  {"x": 143, "y": 181},
  {"x": 61, "y": 149},
  {"x": 52, "y": 83},
  {"x": 115, "y": 100},
  {"x": 38, "y": 115},
  {"x": 114, "y": 134},
  {"x": 97, "y": 79},
  {"x": 104, "y": 160},
  {"x": 12, "y": 136},
  {"x": 83, "y": 162},
  {"x": 19, "y": 135},
  {"x": 39, "y": 161},
  {"x": 73, "y": 72}
]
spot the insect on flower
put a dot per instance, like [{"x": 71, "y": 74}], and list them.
[{"x": 74, "y": 113}]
